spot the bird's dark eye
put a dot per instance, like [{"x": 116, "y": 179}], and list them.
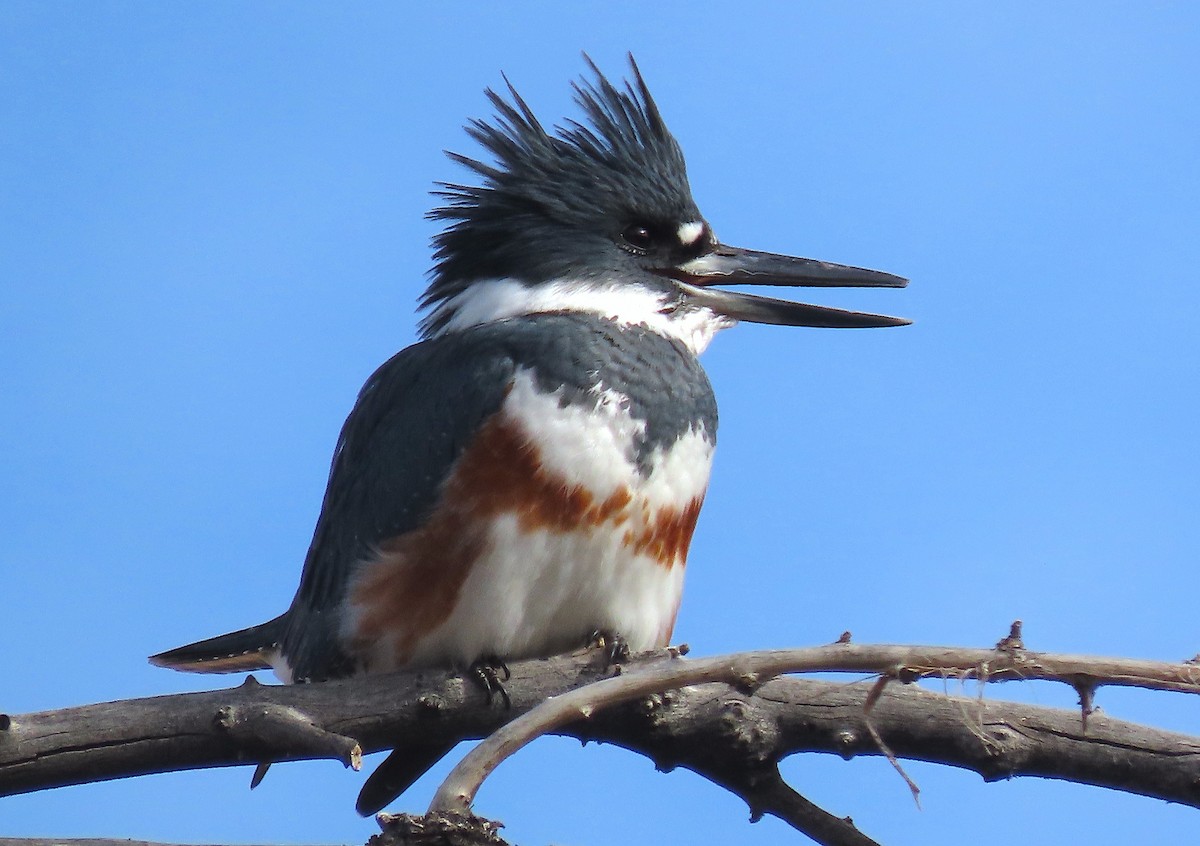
[{"x": 638, "y": 236}]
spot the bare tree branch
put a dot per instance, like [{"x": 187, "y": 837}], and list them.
[
  {"x": 750, "y": 669},
  {"x": 726, "y": 724},
  {"x": 768, "y": 793}
]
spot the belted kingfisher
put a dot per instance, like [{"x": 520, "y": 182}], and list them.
[{"x": 530, "y": 472}]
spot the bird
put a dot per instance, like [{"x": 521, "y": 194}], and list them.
[{"x": 525, "y": 479}]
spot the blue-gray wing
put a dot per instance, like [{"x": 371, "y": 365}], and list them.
[{"x": 413, "y": 418}]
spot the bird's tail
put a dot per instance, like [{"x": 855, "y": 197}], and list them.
[
  {"x": 236, "y": 652},
  {"x": 397, "y": 772}
]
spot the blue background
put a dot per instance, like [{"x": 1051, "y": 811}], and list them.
[{"x": 211, "y": 232}]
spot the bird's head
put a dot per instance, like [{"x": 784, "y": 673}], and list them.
[{"x": 600, "y": 218}]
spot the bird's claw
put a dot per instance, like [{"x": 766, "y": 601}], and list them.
[
  {"x": 490, "y": 672},
  {"x": 614, "y": 648}
]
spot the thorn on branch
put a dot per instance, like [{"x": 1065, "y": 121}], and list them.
[
  {"x": 844, "y": 637},
  {"x": 260, "y": 772}
]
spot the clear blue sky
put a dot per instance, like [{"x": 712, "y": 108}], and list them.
[{"x": 211, "y": 232}]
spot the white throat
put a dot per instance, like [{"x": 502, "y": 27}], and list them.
[{"x": 495, "y": 299}]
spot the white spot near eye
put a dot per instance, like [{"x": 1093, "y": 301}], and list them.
[{"x": 690, "y": 232}]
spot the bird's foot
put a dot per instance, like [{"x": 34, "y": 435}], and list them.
[
  {"x": 490, "y": 672},
  {"x": 613, "y": 647}
]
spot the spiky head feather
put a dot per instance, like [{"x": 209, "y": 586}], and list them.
[{"x": 554, "y": 203}]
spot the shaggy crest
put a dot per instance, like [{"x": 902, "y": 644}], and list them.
[{"x": 552, "y": 198}]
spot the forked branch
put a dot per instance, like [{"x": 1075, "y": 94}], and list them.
[{"x": 731, "y": 719}]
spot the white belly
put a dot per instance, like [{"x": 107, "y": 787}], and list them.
[{"x": 542, "y": 593}]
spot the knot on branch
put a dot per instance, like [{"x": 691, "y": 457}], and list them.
[
  {"x": 752, "y": 736},
  {"x": 849, "y": 743},
  {"x": 655, "y": 708}
]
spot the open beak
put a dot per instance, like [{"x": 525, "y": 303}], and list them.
[{"x": 735, "y": 266}]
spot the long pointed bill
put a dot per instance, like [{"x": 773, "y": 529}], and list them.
[{"x": 735, "y": 266}]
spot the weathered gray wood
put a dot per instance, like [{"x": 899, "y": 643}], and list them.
[{"x": 734, "y": 736}]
